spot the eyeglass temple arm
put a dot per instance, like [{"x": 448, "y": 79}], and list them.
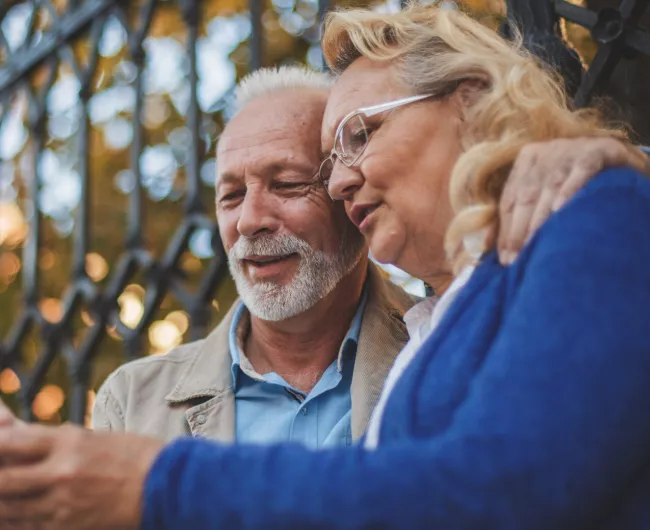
[{"x": 382, "y": 107}]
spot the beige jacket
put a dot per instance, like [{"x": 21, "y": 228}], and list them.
[{"x": 189, "y": 390}]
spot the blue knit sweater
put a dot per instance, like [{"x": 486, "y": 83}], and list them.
[{"x": 527, "y": 409}]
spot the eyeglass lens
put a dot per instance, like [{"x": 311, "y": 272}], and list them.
[{"x": 352, "y": 140}]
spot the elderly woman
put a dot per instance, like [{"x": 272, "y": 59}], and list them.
[
  {"x": 526, "y": 409},
  {"x": 421, "y": 161}
]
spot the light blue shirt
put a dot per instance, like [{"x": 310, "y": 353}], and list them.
[{"x": 269, "y": 410}]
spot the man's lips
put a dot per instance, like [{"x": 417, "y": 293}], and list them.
[
  {"x": 263, "y": 261},
  {"x": 359, "y": 213}
]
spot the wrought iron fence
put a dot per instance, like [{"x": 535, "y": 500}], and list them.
[{"x": 51, "y": 53}]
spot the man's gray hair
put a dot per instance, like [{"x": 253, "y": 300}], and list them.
[{"x": 269, "y": 80}]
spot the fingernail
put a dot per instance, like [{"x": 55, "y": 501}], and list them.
[
  {"x": 507, "y": 257},
  {"x": 558, "y": 203}
]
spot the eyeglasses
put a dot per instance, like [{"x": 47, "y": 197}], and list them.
[{"x": 352, "y": 136}]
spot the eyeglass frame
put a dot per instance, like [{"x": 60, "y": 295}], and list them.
[{"x": 369, "y": 112}]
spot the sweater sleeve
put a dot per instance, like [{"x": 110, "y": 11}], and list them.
[{"x": 553, "y": 426}]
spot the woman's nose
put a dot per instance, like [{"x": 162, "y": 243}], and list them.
[{"x": 344, "y": 181}]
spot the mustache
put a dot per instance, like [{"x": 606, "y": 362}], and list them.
[{"x": 268, "y": 245}]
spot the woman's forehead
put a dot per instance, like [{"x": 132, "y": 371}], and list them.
[{"x": 363, "y": 84}]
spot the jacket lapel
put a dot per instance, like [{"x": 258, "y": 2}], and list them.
[
  {"x": 208, "y": 381},
  {"x": 383, "y": 335}
]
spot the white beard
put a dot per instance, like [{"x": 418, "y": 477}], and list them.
[{"x": 318, "y": 274}]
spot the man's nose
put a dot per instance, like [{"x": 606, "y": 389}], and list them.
[
  {"x": 258, "y": 214},
  {"x": 344, "y": 181}
]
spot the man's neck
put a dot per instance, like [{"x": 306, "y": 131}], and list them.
[{"x": 301, "y": 348}]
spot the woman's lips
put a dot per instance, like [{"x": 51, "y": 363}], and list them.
[{"x": 360, "y": 214}]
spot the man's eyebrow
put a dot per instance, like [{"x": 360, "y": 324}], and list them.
[
  {"x": 279, "y": 168},
  {"x": 227, "y": 178}
]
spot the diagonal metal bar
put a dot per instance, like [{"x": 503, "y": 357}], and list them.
[
  {"x": 193, "y": 203},
  {"x": 82, "y": 224},
  {"x": 610, "y": 30},
  {"x": 638, "y": 40},
  {"x": 576, "y": 14},
  {"x": 68, "y": 28},
  {"x": 537, "y": 22}
]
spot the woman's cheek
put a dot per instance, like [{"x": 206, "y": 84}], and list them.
[
  {"x": 376, "y": 171},
  {"x": 387, "y": 240}
]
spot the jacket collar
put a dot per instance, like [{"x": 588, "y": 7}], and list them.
[
  {"x": 383, "y": 335},
  {"x": 208, "y": 373}
]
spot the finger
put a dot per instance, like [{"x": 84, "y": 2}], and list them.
[
  {"x": 518, "y": 229},
  {"x": 521, "y": 169},
  {"x": 26, "y": 509},
  {"x": 26, "y": 442},
  {"x": 646, "y": 168},
  {"x": 527, "y": 196},
  {"x": 583, "y": 171},
  {"x": 24, "y": 480},
  {"x": 619, "y": 154},
  {"x": 21, "y": 525},
  {"x": 613, "y": 152},
  {"x": 542, "y": 212}
]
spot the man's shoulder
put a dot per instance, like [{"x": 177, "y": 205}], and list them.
[
  {"x": 166, "y": 370},
  {"x": 394, "y": 296},
  {"x": 173, "y": 361}
]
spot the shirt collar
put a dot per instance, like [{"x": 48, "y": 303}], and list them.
[
  {"x": 424, "y": 316},
  {"x": 240, "y": 323},
  {"x": 351, "y": 340}
]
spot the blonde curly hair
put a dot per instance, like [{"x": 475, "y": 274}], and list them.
[{"x": 519, "y": 100}]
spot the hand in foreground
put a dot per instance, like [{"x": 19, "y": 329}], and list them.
[
  {"x": 546, "y": 175},
  {"x": 72, "y": 479}
]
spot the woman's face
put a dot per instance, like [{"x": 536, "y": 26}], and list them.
[{"x": 397, "y": 193}]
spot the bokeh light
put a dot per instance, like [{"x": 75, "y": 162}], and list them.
[
  {"x": 9, "y": 382},
  {"x": 164, "y": 335},
  {"x": 10, "y": 265},
  {"x": 13, "y": 228},
  {"x": 91, "y": 397},
  {"x": 51, "y": 309},
  {"x": 131, "y": 309},
  {"x": 96, "y": 266},
  {"x": 48, "y": 402},
  {"x": 179, "y": 319}
]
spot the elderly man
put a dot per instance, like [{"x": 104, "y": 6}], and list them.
[{"x": 303, "y": 355}]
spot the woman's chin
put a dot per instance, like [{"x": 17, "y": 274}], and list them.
[{"x": 384, "y": 250}]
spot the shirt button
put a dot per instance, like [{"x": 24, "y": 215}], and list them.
[
  {"x": 304, "y": 411},
  {"x": 200, "y": 419}
]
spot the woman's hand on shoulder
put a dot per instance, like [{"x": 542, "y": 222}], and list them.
[{"x": 547, "y": 174}]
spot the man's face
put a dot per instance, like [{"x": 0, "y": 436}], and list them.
[{"x": 288, "y": 243}]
